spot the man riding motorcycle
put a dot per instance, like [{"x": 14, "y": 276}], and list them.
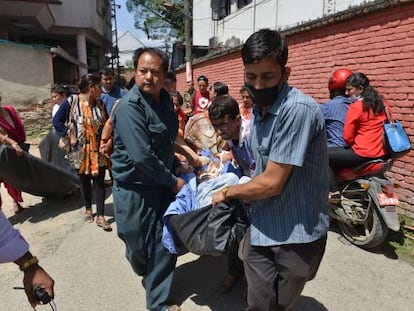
[{"x": 334, "y": 110}]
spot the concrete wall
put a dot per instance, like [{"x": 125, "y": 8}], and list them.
[
  {"x": 380, "y": 44},
  {"x": 84, "y": 14},
  {"x": 25, "y": 74}
]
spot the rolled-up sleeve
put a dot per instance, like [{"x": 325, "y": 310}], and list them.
[{"x": 12, "y": 244}]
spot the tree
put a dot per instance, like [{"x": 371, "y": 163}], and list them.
[
  {"x": 157, "y": 22},
  {"x": 129, "y": 64}
]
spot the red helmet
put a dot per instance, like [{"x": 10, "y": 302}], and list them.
[{"x": 338, "y": 79}]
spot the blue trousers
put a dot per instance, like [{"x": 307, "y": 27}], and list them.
[{"x": 138, "y": 215}]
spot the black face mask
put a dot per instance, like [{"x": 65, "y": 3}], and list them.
[{"x": 264, "y": 97}]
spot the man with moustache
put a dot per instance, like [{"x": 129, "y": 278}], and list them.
[
  {"x": 289, "y": 190},
  {"x": 145, "y": 128}
]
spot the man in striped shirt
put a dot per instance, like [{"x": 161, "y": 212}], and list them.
[{"x": 289, "y": 190}]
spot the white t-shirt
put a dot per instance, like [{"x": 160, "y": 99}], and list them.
[{"x": 55, "y": 109}]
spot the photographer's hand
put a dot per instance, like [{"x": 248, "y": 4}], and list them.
[{"x": 34, "y": 276}]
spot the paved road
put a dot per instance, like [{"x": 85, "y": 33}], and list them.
[{"x": 91, "y": 272}]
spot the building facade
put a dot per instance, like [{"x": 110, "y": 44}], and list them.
[
  {"x": 230, "y": 22},
  {"x": 79, "y": 32}
]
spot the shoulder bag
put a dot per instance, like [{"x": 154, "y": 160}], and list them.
[
  {"x": 70, "y": 139},
  {"x": 396, "y": 141}
]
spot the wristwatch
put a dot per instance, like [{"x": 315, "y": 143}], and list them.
[{"x": 224, "y": 192}]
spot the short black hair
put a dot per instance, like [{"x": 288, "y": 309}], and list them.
[
  {"x": 220, "y": 88},
  {"x": 106, "y": 72},
  {"x": 202, "y": 78},
  {"x": 171, "y": 76},
  {"x": 61, "y": 89},
  {"x": 164, "y": 57},
  {"x": 265, "y": 43},
  {"x": 179, "y": 97},
  {"x": 243, "y": 89},
  {"x": 223, "y": 105},
  {"x": 88, "y": 80}
]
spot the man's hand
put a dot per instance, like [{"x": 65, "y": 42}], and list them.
[
  {"x": 36, "y": 276},
  {"x": 106, "y": 147},
  {"x": 218, "y": 197},
  {"x": 19, "y": 150},
  {"x": 179, "y": 185}
]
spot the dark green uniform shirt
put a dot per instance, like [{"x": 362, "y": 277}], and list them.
[{"x": 144, "y": 135}]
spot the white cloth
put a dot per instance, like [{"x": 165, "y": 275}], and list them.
[{"x": 55, "y": 109}]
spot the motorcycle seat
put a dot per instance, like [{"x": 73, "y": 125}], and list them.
[{"x": 373, "y": 167}]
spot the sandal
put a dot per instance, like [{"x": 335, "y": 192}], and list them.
[
  {"x": 101, "y": 222},
  {"x": 88, "y": 217}
]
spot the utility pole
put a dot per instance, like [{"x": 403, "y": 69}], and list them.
[
  {"x": 115, "y": 50},
  {"x": 188, "y": 40}
]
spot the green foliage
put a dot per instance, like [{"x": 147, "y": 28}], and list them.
[
  {"x": 156, "y": 21},
  {"x": 400, "y": 244},
  {"x": 129, "y": 64}
]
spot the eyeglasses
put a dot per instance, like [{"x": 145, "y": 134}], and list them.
[
  {"x": 221, "y": 126},
  {"x": 245, "y": 97}
]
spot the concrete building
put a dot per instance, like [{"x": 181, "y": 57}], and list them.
[
  {"x": 77, "y": 32},
  {"x": 229, "y": 23},
  {"x": 127, "y": 44}
]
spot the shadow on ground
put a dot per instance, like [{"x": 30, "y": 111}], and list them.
[
  {"x": 197, "y": 280},
  {"x": 51, "y": 207},
  {"x": 385, "y": 249},
  {"x": 47, "y": 208}
]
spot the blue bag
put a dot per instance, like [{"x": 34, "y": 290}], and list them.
[{"x": 396, "y": 140}]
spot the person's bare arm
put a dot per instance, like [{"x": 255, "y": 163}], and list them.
[
  {"x": 106, "y": 144},
  {"x": 5, "y": 139},
  {"x": 182, "y": 147},
  {"x": 270, "y": 183}
]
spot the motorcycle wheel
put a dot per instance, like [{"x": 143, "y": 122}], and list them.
[{"x": 366, "y": 235}]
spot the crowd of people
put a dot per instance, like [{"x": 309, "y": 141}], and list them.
[{"x": 286, "y": 145}]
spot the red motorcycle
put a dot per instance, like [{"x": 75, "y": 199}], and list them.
[{"x": 367, "y": 208}]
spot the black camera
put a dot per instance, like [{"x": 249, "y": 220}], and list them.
[{"x": 41, "y": 295}]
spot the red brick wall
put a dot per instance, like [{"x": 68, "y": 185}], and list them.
[{"x": 379, "y": 44}]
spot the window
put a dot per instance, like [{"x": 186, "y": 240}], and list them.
[
  {"x": 242, "y": 3},
  {"x": 220, "y": 8}
]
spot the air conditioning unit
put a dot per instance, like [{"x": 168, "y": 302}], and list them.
[
  {"x": 233, "y": 42},
  {"x": 213, "y": 42}
]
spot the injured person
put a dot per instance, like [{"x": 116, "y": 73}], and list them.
[{"x": 196, "y": 193}]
